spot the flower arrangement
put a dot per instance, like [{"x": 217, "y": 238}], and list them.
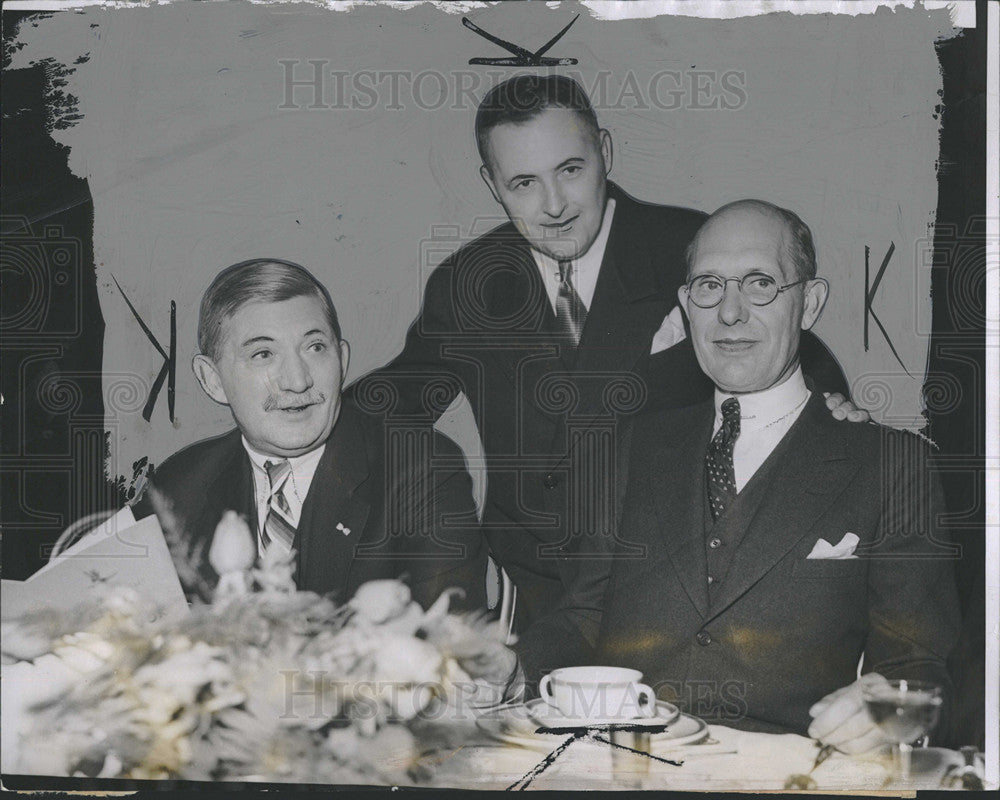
[{"x": 265, "y": 683}]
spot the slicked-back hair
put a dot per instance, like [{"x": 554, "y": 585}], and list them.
[
  {"x": 799, "y": 249},
  {"x": 259, "y": 280},
  {"x": 522, "y": 98}
]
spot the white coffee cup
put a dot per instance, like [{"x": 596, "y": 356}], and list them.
[{"x": 598, "y": 693}]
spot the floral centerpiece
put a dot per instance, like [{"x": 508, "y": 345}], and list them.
[{"x": 265, "y": 683}]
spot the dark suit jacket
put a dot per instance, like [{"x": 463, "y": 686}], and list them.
[
  {"x": 778, "y": 631},
  {"x": 427, "y": 499},
  {"x": 544, "y": 410}
]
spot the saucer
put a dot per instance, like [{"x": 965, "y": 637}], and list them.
[
  {"x": 550, "y": 717},
  {"x": 684, "y": 730},
  {"x": 514, "y": 727}
]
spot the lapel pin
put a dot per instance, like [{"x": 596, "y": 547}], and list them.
[{"x": 342, "y": 529}]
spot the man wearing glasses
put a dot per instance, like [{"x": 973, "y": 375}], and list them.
[
  {"x": 780, "y": 547},
  {"x": 554, "y": 325}
]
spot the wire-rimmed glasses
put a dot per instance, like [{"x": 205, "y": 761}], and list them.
[{"x": 759, "y": 288}]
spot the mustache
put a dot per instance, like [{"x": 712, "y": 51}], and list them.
[{"x": 283, "y": 401}]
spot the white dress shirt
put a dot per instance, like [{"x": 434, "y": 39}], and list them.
[
  {"x": 295, "y": 489},
  {"x": 765, "y": 417},
  {"x": 586, "y": 268}
]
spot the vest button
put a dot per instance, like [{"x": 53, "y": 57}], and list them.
[
  {"x": 715, "y": 543},
  {"x": 550, "y": 481},
  {"x": 704, "y": 638}
]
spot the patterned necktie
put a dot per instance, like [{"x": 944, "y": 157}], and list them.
[
  {"x": 278, "y": 526},
  {"x": 719, "y": 460},
  {"x": 570, "y": 310}
]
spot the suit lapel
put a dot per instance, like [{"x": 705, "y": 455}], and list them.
[
  {"x": 677, "y": 483},
  {"x": 519, "y": 303},
  {"x": 812, "y": 472},
  {"x": 617, "y": 333},
  {"x": 634, "y": 266},
  {"x": 615, "y": 336},
  {"x": 231, "y": 489},
  {"x": 336, "y": 498},
  {"x": 518, "y": 299}
]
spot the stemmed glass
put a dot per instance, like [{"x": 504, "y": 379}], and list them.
[{"x": 905, "y": 710}]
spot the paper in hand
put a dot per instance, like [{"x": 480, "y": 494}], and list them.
[{"x": 136, "y": 556}]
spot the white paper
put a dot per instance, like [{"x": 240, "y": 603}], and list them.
[
  {"x": 119, "y": 522},
  {"x": 136, "y": 557}
]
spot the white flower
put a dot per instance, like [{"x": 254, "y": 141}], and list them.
[
  {"x": 232, "y": 584},
  {"x": 183, "y": 673},
  {"x": 407, "y": 622},
  {"x": 440, "y": 607},
  {"x": 246, "y": 685},
  {"x": 25, "y": 687},
  {"x": 224, "y": 695},
  {"x": 233, "y": 547},
  {"x": 345, "y": 744},
  {"x": 454, "y": 674},
  {"x": 406, "y": 702},
  {"x": 378, "y": 601},
  {"x": 169, "y": 750},
  {"x": 276, "y": 572},
  {"x": 84, "y": 652},
  {"x": 156, "y": 707},
  {"x": 405, "y": 659},
  {"x": 22, "y": 642},
  {"x": 60, "y": 750}
]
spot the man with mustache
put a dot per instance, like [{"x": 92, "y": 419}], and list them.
[
  {"x": 307, "y": 469},
  {"x": 780, "y": 547},
  {"x": 554, "y": 325}
]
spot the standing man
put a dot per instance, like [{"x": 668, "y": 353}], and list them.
[
  {"x": 307, "y": 470},
  {"x": 781, "y": 547},
  {"x": 553, "y": 325}
]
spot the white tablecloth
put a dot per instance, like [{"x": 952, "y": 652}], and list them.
[{"x": 731, "y": 760}]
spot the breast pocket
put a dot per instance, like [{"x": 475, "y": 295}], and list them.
[{"x": 826, "y": 568}]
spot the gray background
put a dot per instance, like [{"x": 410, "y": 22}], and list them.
[{"x": 194, "y": 164}]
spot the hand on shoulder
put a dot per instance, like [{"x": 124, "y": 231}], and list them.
[{"x": 843, "y": 408}]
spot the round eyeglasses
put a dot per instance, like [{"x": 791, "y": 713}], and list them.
[{"x": 707, "y": 291}]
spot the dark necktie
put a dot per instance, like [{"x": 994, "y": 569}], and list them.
[
  {"x": 278, "y": 526},
  {"x": 570, "y": 310},
  {"x": 719, "y": 460}
]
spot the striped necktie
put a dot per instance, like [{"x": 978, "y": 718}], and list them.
[
  {"x": 278, "y": 527},
  {"x": 571, "y": 313},
  {"x": 719, "y": 471}
]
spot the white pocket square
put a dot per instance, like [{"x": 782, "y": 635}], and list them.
[
  {"x": 842, "y": 550},
  {"x": 670, "y": 333}
]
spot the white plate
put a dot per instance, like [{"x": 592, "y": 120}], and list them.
[
  {"x": 514, "y": 726},
  {"x": 550, "y": 717},
  {"x": 683, "y": 731}
]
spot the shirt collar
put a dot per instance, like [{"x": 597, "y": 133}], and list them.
[
  {"x": 590, "y": 262},
  {"x": 587, "y": 266},
  {"x": 760, "y": 409},
  {"x": 301, "y": 465}
]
